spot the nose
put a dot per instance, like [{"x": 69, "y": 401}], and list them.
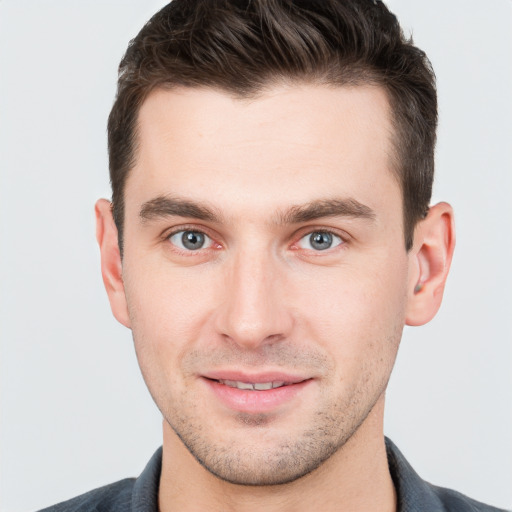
[{"x": 254, "y": 309}]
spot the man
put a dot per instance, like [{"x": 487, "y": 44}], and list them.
[{"x": 270, "y": 235}]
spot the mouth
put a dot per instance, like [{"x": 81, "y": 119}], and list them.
[
  {"x": 253, "y": 386},
  {"x": 256, "y": 394}
]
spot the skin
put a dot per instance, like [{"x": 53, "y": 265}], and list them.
[{"x": 259, "y": 297}]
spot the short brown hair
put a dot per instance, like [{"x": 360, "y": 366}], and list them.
[{"x": 243, "y": 46}]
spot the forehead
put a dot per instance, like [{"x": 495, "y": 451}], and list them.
[{"x": 288, "y": 145}]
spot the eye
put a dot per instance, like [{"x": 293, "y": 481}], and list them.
[
  {"x": 319, "y": 241},
  {"x": 188, "y": 240}
]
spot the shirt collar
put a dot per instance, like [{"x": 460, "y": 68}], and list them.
[
  {"x": 413, "y": 494},
  {"x": 145, "y": 489}
]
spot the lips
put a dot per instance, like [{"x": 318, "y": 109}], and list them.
[
  {"x": 252, "y": 386},
  {"x": 256, "y": 394}
]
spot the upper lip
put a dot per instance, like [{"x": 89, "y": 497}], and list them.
[{"x": 255, "y": 378}]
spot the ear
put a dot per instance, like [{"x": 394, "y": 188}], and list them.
[
  {"x": 430, "y": 259},
  {"x": 111, "y": 267}
]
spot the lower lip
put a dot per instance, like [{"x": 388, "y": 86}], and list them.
[{"x": 242, "y": 400}]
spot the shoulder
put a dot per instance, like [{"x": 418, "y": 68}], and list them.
[
  {"x": 417, "y": 495},
  {"x": 454, "y": 501},
  {"x": 139, "y": 494},
  {"x": 109, "y": 498}
]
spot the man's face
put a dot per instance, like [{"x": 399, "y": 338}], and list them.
[{"x": 264, "y": 249}]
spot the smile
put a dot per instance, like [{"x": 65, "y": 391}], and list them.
[
  {"x": 256, "y": 394},
  {"x": 252, "y": 386}
]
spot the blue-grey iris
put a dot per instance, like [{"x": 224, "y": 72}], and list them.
[
  {"x": 192, "y": 240},
  {"x": 320, "y": 241}
]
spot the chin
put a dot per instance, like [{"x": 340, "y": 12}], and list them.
[{"x": 269, "y": 460}]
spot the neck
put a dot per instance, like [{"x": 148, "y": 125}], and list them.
[{"x": 356, "y": 478}]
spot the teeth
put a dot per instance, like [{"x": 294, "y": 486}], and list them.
[
  {"x": 261, "y": 386},
  {"x": 243, "y": 385},
  {"x": 258, "y": 386}
]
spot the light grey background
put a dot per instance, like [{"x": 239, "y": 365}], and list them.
[{"x": 75, "y": 413}]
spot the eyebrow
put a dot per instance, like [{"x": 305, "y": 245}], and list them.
[
  {"x": 326, "y": 208},
  {"x": 165, "y": 206}
]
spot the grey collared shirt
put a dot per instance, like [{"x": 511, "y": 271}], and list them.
[{"x": 141, "y": 494}]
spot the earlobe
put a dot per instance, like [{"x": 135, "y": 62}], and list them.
[
  {"x": 111, "y": 266},
  {"x": 430, "y": 259}
]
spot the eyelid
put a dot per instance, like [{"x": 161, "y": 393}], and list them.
[
  {"x": 301, "y": 233},
  {"x": 309, "y": 230},
  {"x": 179, "y": 243},
  {"x": 168, "y": 233}
]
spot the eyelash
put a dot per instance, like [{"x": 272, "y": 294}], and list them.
[
  {"x": 294, "y": 246},
  {"x": 322, "y": 231},
  {"x": 192, "y": 229}
]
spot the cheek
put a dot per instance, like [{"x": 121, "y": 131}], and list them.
[
  {"x": 166, "y": 325},
  {"x": 358, "y": 310},
  {"x": 168, "y": 307}
]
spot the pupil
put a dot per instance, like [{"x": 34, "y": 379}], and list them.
[
  {"x": 320, "y": 241},
  {"x": 192, "y": 240}
]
